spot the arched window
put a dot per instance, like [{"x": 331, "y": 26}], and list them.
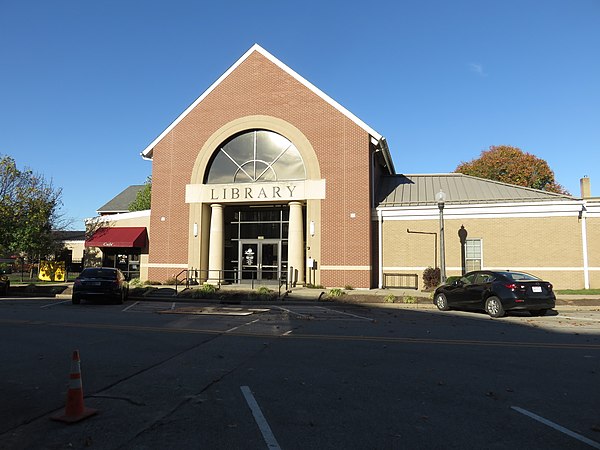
[{"x": 255, "y": 156}]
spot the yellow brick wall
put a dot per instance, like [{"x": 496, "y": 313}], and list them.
[{"x": 530, "y": 244}]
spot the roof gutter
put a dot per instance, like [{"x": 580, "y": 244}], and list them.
[{"x": 147, "y": 154}]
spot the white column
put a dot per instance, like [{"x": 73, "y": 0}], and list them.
[
  {"x": 216, "y": 245},
  {"x": 380, "y": 245},
  {"x": 296, "y": 244}
]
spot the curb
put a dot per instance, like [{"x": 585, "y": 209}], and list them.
[{"x": 314, "y": 301}]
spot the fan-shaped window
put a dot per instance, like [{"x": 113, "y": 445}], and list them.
[{"x": 255, "y": 156}]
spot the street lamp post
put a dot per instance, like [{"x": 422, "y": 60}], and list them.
[
  {"x": 441, "y": 200},
  {"x": 462, "y": 235}
]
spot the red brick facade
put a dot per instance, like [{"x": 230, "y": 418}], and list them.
[{"x": 257, "y": 86}]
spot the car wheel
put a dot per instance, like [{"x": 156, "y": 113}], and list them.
[
  {"x": 493, "y": 306},
  {"x": 441, "y": 302},
  {"x": 121, "y": 298},
  {"x": 75, "y": 299},
  {"x": 538, "y": 312}
]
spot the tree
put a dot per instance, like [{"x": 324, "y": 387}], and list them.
[
  {"x": 143, "y": 197},
  {"x": 512, "y": 165},
  {"x": 29, "y": 206}
]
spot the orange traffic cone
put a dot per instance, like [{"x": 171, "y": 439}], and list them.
[{"x": 75, "y": 409}]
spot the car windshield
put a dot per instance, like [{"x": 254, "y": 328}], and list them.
[
  {"x": 519, "y": 276},
  {"x": 98, "y": 273}
]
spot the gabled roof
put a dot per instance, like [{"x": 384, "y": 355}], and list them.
[
  {"x": 120, "y": 203},
  {"x": 147, "y": 152},
  {"x": 413, "y": 190}
]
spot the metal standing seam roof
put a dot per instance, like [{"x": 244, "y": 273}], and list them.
[
  {"x": 414, "y": 190},
  {"x": 121, "y": 202}
]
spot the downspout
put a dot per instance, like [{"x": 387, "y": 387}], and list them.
[
  {"x": 380, "y": 246},
  {"x": 373, "y": 177},
  {"x": 586, "y": 269}
]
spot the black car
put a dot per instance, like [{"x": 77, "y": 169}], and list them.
[
  {"x": 100, "y": 283},
  {"x": 496, "y": 292}
]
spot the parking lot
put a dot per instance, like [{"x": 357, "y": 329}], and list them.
[{"x": 169, "y": 374}]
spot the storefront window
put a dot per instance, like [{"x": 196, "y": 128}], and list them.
[{"x": 127, "y": 260}]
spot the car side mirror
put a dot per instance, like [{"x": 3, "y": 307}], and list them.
[{"x": 457, "y": 283}]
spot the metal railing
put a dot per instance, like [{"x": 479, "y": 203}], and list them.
[
  {"x": 196, "y": 277},
  {"x": 401, "y": 280}
]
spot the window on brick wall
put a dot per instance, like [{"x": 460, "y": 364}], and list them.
[
  {"x": 474, "y": 254},
  {"x": 255, "y": 156}
]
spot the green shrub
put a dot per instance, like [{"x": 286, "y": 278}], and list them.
[
  {"x": 170, "y": 281},
  {"x": 263, "y": 290},
  {"x": 263, "y": 294},
  {"x": 208, "y": 288},
  {"x": 152, "y": 283},
  {"x": 335, "y": 293},
  {"x": 431, "y": 277},
  {"x": 314, "y": 286},
  {"x": 348, "y": 288},
  {"x": 205, "y": 291},
  {"x": 135, "y": 282},
  {"x": 409, "y": 299},
  {"x": 390, "y": 298}
]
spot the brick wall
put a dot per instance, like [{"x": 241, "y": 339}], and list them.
[{"x": 259, "y": 87}]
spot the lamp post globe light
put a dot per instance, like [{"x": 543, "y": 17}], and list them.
[{"x": 440, "y": 197}]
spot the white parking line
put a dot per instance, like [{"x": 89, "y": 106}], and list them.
[
  {"x": 242, "y": 325},
  {"x": 291, "y": 312},
  {"x": 262, "y": 423},
  {"x": 130, "y": 306},
  {"x": 557, "y": 427},
  {"x": 348, "y": 314},
  {"x": 49, "y": 305}
]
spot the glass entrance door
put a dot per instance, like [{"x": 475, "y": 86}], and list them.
[{"x": 259, "y": 259}]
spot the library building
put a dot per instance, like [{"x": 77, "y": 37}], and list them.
[{"x": 265, "y": 178}]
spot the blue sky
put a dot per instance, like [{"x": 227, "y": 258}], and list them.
[{"x": 86, "y": 86}]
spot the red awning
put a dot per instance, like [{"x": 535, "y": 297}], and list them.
[{"x": 118, "y": 237}]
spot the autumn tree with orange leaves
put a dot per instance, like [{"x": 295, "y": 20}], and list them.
[{"x": 514, "y": 166}]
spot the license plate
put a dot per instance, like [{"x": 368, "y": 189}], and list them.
[
  {"x": 93, "y": 283},
  {"x": 536, "y": 288}
]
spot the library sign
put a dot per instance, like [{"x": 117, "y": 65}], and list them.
[{"x": 255, "y": 192}]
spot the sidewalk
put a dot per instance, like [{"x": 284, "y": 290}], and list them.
[{"x": 405, "y": 298}]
